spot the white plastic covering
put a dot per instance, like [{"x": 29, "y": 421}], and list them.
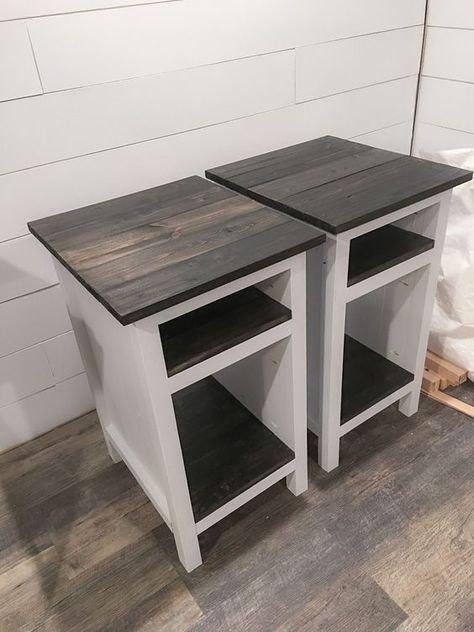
[{"x": 452, "y": 327}]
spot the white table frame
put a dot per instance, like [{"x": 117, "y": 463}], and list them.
[
  {"x": 328, "y": 299},
  {"x": 133, "y": 394}
]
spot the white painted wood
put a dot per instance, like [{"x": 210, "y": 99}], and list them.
[
  {"x": 387, "y": 276},
  {"x": 87, "y": 48},
  {"x": 118, "y": 393},
  {"x": 63, "y": 356},
  {"x": 332, "y": 67},
  {"x": 423, "y": 297},
  {"x": 54, "y": 188},
  {"x": 434, "y": 138},
  {"x": 455, "y": 13},
  {"x": 446, "y": 103},
  {"x": 78, "y": 122},
  {"x": 336, "y": 260},
  {"x": 33, "y": 318},
  {"x": 449, "y": 54},
  {"x": 25, "y": 419},
  {"x": 15, "y": 9},
  {"x": 149, "y": 485},
  {"x": 25, "y": 267},
  {"x": 152, "y": 371},
  {"x": 254, "y": 278},
  {"x": 245, "y": 497},
  {"x": 297, "y": 481},
  {"x": 230, "y": 356},
  {"x": 18, "y": 75},
  {"x": 24, "y": 373},
  {"x": 376, "y": 408},
  {"x": 395, "y": 217},
  {"x": 395, "y": 138}
]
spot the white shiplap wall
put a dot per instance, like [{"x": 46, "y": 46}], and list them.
[
  {"x": 445, "y": 113},
  {"x": 99, "y": 98}
]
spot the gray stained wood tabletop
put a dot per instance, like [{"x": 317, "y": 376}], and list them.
[
  {"x": 146, "y": 251},
  {"x": 337, "y": 184},
  {"x": 383, "y": 543}
]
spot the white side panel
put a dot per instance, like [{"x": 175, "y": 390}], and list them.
[
  {"x": 14, "y": 9},
  {"x": 449, "y": 54},
  {"x": 31, "y": 319},
  {"x": 77, "y": 122},
  {"x": 29, "y": 417},
  {"x": 394, "y": 138},
  {"x": 54, "y": 188},
  {"x": 454, "y": 13},
  {"x": 447, "y": 104},
  {"x": 18, "y": 75},
  {"x": 24, "y": 373},
  {"x": 87, "y": 48},
  {"x": 434, "y": 138},
  {"x": 25, "y": 266},
  {"x": 107, "y": 352},
  {"x": 333, "y": 67}
]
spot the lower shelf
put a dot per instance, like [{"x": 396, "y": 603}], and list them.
[
  {"x": 367, "y": 378},
  {"x": 226, "y": 450}
]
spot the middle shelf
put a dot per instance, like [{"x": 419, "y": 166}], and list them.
[
  {"x": 218, "y": 326},
  {"x": 226, "y": 450},
  {"x": 367, "y": 378},
  {"x": 381, "y": 249}
]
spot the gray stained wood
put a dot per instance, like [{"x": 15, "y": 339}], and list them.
[
  {"x": 215, "y": 327},
  {"x": 147, "y": 251},
  {"x": 226, "y": 450},
  {"x": 337, "y": 184},
  {"x": 382, "y": 543}
]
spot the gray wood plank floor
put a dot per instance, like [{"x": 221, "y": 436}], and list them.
[{"x": 383, "y": 543}]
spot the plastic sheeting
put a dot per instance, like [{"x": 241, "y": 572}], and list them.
[{"x": 452, "y": 327}]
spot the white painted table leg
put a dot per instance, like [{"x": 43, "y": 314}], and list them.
[
  {"x": 334, "y": 306},
  {"x": 297, "y": 481},
  {"x": 150, "y": 360},
  {"x": 424, "y": 295}
]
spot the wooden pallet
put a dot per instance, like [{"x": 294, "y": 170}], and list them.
[{"x": 438, "y": 375}]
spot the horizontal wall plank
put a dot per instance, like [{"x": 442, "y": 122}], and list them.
[
  {"x": 446, "y": 103},
  {"x": 449, "y": 54},
  {"x": 53, "y": 188},
  {"x": 78, "y": 50},
  {"x": 395, "y": 138},
  {"x": 18, "y": 75},
  {"x": 433, "y": 138},
  {"x": 14, "y": 9},
  {"x": 42, "y": 411},
  {"x": 332, "y": 67},
  {"x": 63, "y": 356},
  {"x": 24, "y": 373},
  {"x": 454, "y": 13},
  {"x": 77, "y": 122},
  {"x": 31, "y": 319},
  {"x": 25, "y": 267}
]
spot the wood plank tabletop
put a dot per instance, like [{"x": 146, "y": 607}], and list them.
[
  {"x": 337, "y": 184},
  {"x": 144, "y": 252}
]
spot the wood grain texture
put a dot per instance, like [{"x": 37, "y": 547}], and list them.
[
  {"x": 211, "y": 329},
  {"x": 381, "y": 249},
  {"x": 225, "y": 448},
  {"x": 400, "y": 559},
  {"x": 336, "y": 184},
  {"x": 147, "y": 251},
  {"x": 367, "y": 377}
]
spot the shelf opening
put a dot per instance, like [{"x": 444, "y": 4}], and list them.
[
  {"x": 226, "y": 449},
  {"x": 218, "y": 326}
]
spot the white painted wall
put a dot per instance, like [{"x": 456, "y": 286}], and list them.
[
  {"x": 99, "y": 98},
  {"x": 445, "y": 113}
]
